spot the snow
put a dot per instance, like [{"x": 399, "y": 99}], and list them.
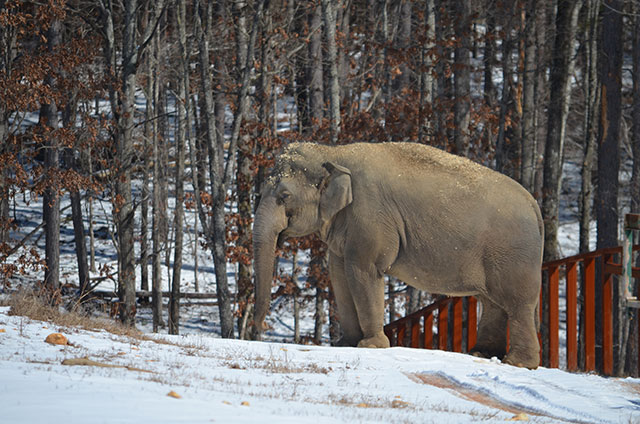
[{"x": 234, "y": 381}]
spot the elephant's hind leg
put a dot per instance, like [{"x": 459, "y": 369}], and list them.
[
  {"x": 492, "y": 331},
  {"x": 524, "y": 349}
]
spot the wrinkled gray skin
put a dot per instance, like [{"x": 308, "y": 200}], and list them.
[{"x": 439, "y": 222}]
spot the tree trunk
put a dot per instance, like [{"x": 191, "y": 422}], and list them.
[
  {"x": 425, "y": 130},
  {"x": 122, "y": 98},
  {"x": 220, "y": 177},
  {"x": 590, "y": 72},
  {"x": 505, "y": 145},
  {"x": 561, "y": 68},
  {"x": 606, "y": 201},
  {"x": 633, "y": 368},
  {"x": 462, "y": 79},
  {"x": 528, "y": 105},
  {"x": 414, "y": 298},
  {"x": 344, "y": 23},
  {"x": 404, "y": 40},
  {"x": 488, "y": 61},
  {"x": 302, "y": 68},
  {"x": 148, "y": 163},
  {"x": 50, "y": 200},
  {"x": 590, "y": 122},
  {"x": 329, "y": 19},
  {"x": 443, "y": 79},
  {"x": 158, "y": 217},
  {"x": 182, "y": 101},
  {"x": 314, "y": 70},
  {"x": 76, "y": 215},
  {"x": 243, "y": 177},
  {"x": 545, "y": 30},
  {"x": 8, "y": 39}
]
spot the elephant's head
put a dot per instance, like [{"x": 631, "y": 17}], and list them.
[{"x": 301, "y": 196}]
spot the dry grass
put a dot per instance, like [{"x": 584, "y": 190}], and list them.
[
  {"x": 29, "y": 304},
  {"x": 276, "y": 363}
]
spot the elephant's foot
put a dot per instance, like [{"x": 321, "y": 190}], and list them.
[
  {"x": 346, "y": 342},
  {"x": 377, "y": 341},
  {"x": 487, "y": 352},
  {"x": 522, "y": 360}
]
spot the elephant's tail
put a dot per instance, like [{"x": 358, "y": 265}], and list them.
[
  {"x": 536, "y": 317},
  {"x": 541, "y": 229},
  {"x": 539, "y": 218}
]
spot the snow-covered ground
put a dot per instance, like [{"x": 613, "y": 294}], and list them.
[{"x": 233, "y": 381}]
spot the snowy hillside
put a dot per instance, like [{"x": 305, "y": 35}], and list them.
[{"x": 102, "y": 377}]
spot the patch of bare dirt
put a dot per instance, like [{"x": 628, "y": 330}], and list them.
[{"x": 472, "y": 395}]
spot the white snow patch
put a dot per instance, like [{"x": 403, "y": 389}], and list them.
[{"x": 233, "y": 381}]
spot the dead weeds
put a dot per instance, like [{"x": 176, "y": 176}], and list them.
[{"x": 30, "y": 305}]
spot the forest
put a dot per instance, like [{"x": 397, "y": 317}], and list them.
[{"x": 163, "y": 108}]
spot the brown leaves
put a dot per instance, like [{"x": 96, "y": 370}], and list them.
[{"x": 57, "y": 339}]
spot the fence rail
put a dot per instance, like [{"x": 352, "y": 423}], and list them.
[{"x": 445, "y": 316}]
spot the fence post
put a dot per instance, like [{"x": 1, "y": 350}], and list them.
[
  {"x": 428, "y": 331},
  {"x": 607, "y": 317},
  {"x": 443, "y": 321},
  {"x": 472, "y": 322},
  {"x": 554, "y": 324},
  {"x": 572, "y": 312},
  {"x": 415, "y": 333},
  {"x": 400, "y": 334},
  {"x": 589, "y": 314},
  {"x": 456, "y": 344}
]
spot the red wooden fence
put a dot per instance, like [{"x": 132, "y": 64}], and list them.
[{"x": 417, "y": 329}]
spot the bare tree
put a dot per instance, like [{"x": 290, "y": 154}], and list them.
[
  {"x": 123, "y": 61},
  {"x": 590, "y": 71},
  {"x": 220, "y": 174},
  {"x": 561, "y": 69},
  {"x": 427, "y": 82},
  {"x": 8, "y": 39},
  {"x": 50, "y": 200},
  {"x": 528, "y": 128},
  {"x": 632, "y": 365},
  {"x": 462, "y": 79},
  {"x": 182, "y": 101},
  {"x": 606, "y": 200},
  {"x": 314, "y": 68},
  {"x": 329, "y": 19}
]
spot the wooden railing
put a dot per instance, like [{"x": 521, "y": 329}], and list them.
[
  {"x": 606, "y": 261},
  {"x": 417, "y": 329}
]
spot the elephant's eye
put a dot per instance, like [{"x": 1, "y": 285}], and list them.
[{"x": 283, "y": 197}]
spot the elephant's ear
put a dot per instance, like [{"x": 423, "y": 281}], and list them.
[{"x": 336, "y": 194}]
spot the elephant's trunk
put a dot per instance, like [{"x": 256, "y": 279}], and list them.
[{"x": 270, "y": 221}]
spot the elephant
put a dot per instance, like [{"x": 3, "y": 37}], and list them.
[{"x": 439, "y": 222}]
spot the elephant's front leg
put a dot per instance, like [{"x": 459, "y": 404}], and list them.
[
  {"x": 351, "y": 332},
  {"x": 367, "y": 287}
]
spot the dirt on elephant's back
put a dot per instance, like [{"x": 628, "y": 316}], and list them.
[{"x": 431, "y": 157}]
